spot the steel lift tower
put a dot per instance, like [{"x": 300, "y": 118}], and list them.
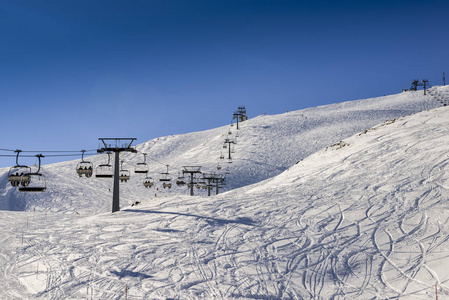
[
  {"x": 192, "y": 170},
  {"x": 119, "y": 145},
  {"x": 425, "y": 83},
  {"x": 213, "y": 178},
  {"x": 229, "y": 142},
  {"x": 237, "y": 115}
]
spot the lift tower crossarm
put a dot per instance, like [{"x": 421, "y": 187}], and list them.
[{"x": 119, "y": 147}]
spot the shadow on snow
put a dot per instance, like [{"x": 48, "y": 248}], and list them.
[{"x": 212, "y": 221}]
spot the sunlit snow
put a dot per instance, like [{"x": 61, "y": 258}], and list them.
[{"x": 344, "y": 201}]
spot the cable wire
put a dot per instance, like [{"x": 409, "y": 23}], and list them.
[
  {"x": 157, "y": 161},
  {"x": 56, "y": 151}
]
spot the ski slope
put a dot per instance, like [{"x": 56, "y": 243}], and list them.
[
  {"x": 265, "y": 147},
  {"x": 345, "y": 201}
]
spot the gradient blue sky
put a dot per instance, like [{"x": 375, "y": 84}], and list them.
[{"x": 74, "y": 71}]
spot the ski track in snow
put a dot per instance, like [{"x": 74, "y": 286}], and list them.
[{"x": 354, "y": 215}]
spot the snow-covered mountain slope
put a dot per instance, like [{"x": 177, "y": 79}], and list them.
[
  {"x": 265, "y": 147},
  {"x": 363, "y": 218}
]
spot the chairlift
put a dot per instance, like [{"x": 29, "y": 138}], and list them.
[
  {"x": 148, "y": 182},
  {"x": 15, "y": 173},
  {"x": 19, "y": 176},
  {"x": 33, "y": 181},
  {"x": 165, "y": 176},
  {"x": 218, "y": 166},
  {"x": 221, "y": 156},
  {"x": 105, "y": 170},
  {"x": 199, "y": 182},
  {"x": 123, "y": 174},
  {"x": 142, "y": 167},
  {"x": 181, "y": 181},
  {"x": 84, "y": 167}
]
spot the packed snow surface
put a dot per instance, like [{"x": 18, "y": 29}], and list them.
[{"x": 345, "y": 201}]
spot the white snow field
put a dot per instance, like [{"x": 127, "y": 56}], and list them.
[{"x": 344, "y": 201}]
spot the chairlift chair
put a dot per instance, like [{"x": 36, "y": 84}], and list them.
[
  {"x": 105, "y": 170},
  {"x": 15, "y": 173},
  {"x": 180, "y": 181},
  {"x": 165, "y": 176},
  {"x": 33, "y": 181},
  {"x": 218, "y": 166},
  {"x": 142, "y": 167},
  {"x": 123, "y": 174},
  {"x": 165, "y": 179},
  {"x": 148, "y": 182},
  {"x": 84, "y": 167},
  {"x": 200, "y": 182},
  {"x": 18, "y": 175}
]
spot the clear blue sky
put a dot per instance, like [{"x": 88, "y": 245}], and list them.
[{"x": 74, "y": 71}]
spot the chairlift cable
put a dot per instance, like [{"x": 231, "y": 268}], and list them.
[
  {"x": 157, "y": 161},
  {"x": 61, "y": 151},
  {"x": 88, "y": 152},
  {"x": 57, "y": 155}
]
